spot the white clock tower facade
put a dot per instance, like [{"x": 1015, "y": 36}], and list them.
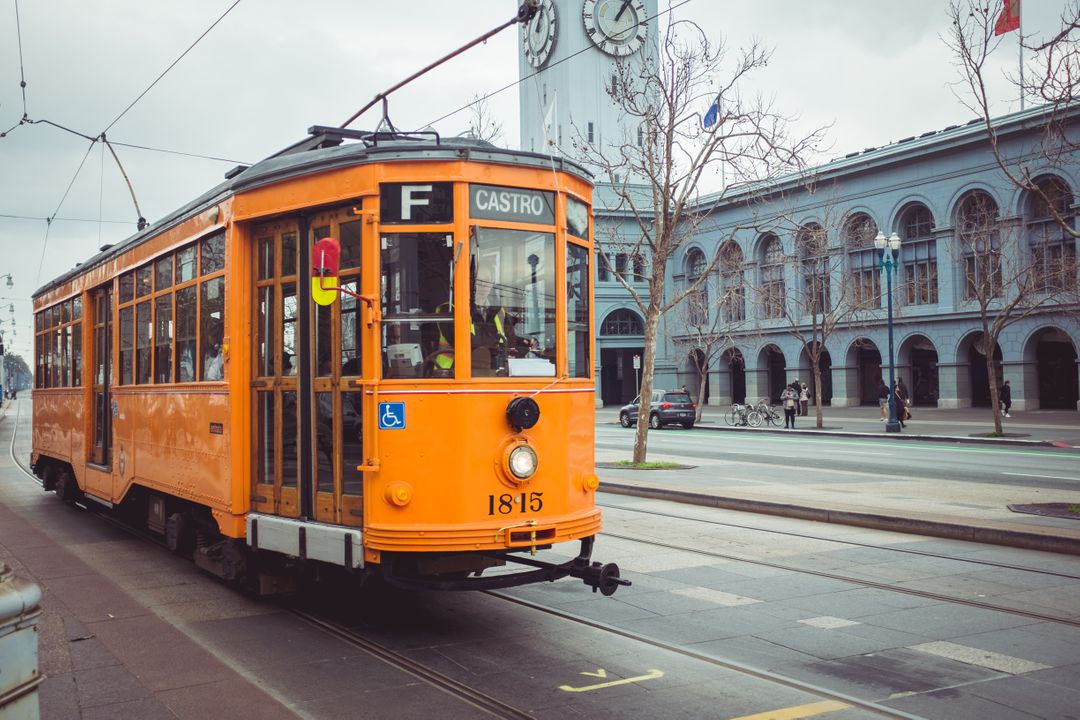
[{"x": 567, "y": 56}]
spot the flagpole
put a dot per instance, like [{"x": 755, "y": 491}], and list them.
[{"x": 1020, "y": 49}]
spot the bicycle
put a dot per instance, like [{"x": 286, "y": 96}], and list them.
[
  {"x": 742, "y": 416},
  {"x": 769, "y": 414}
]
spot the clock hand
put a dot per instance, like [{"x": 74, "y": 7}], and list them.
[{"x": 622, "y": 9}]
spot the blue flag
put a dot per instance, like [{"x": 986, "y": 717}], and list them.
[{"x": 713, "y": 114}]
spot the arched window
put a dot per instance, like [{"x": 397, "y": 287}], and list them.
[
  {"x": 813, "y": 246},
  {"x": 698, "y": 308},
  {"x": 772, "y": 277},
  {"x": 622, "y": 322},
  {"x": 980, "y": 242},
  {"x": 1053, "y": 248},
  {"x": 732, "y": 283},
  {"x": 859, "y": 233},
  {"x": 918, "y": 256}
]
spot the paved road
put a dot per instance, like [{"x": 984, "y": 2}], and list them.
[{"x": 805, "y": 458}]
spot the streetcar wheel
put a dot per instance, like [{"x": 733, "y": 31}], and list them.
[
  {"x": 654, "y": 422},
  {"x": 180, "y": 534},
  {"x": 753, "y": 418},
  {"x": 67, "y": 489},
  {"x": 624, "y": 420}
]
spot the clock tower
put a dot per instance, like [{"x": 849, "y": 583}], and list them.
[{"x": 567, "y": 57}]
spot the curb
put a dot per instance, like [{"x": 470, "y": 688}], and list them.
[
  {"x": 957, "y": 439},
  {"x": 914, "y": 526}
]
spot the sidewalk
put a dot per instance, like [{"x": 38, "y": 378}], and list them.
[
  {"x": 1043, "y": 427},
  {"x": 934, "y": 507}
]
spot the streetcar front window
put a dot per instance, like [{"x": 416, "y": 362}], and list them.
[
  {"x": 577, "y": 310},
  {"x": 512, "y": 303},
  {"x": 417, "y": 302}
]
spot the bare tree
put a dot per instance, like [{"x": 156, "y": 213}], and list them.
[
  {"x": 483, "y": 125},
  {"x": 1050, "y": 78},
  {"x": 835, "y": 281},
  {"x": 655, "y": 169},
  {"x": 708, "y": 322},
  {"x": 1005, "y": 277}
]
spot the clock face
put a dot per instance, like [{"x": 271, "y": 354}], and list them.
[
  {"x": 539, "y": 35},
  {"x": 617, "y": 27}
]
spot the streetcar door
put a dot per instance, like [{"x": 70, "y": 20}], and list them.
[
  {"x": 337, "y": 389},
  {"x": 276, "y": 467},
  {"x": 102, "y": 416}
]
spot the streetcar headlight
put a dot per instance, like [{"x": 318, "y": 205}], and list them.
[{"x": 522, "y": 462}]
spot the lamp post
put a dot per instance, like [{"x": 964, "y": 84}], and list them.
[{"x": 889, "y": 261}]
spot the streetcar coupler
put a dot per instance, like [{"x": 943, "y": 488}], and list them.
[{"x": 602, "y": 577}]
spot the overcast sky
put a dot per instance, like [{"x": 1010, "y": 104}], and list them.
[{"x": 876, "y": 70}]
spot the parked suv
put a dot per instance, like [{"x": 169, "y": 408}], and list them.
[{"x": 667, "y": 406}]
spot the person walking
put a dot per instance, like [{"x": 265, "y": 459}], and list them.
[
  {"x": 790, "y": 400},
  {"x": 902, "y": 413},
  {"x": 804, "y": 400},
  {"x": 883, "y": 398},
  {"x": 1005, "y": 395}
]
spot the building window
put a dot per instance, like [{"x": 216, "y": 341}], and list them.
[
  {"x": 590, "y": 133},
  {"x": 601, "y": 267},
  {"x": 918, "y": 257},
  {"x": 622, "y": 322},
  {"x": 772, "y": 277},
  {"x": 732, "y": 283},
  {"x": 1053, "y": 249},
  {"x": 813, "y": 245},
  {"x": 698, "y": 300},
  {"x": 865, "y": 276},
  {"x": 980, "y": 242}
]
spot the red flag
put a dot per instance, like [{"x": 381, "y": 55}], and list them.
[{"x": 1009, "y": 19}]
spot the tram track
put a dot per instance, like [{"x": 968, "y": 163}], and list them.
[
  {"x": 860, "y": 582},
  {"x": 851, "y": 543}
]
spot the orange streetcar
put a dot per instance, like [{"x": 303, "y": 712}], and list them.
[{"x": 375, "y": 354}]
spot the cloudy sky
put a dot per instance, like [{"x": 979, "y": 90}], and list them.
[{"x": 876, "y": 70}]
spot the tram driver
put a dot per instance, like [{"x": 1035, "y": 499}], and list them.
[{"x": 493, "y": 336}]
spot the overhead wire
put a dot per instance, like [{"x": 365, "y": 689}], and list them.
[
  {"x": 38, "y": 218},
  {"x": 22, "y": 70},
  {"x": 171, "y": 66}
]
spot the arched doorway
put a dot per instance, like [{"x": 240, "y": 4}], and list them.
[
  {"x": 864, "y": 356},
  {"x": 1054, "y": 355},
  {"x": 736, "y": 366},
  {"x": 825, "y": 363},
  {"x": 621, "y": 338},
  {"x": 697, "y": 368},
  {"x": 920, "y": 357},
  {"x": 772, "y": 361},
  {"x": 972, "y": 349}
]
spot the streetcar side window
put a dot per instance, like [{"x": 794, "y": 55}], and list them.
[
  {"x": 186, "y": 315},
  {"x": 577, "y": 218},
  {"x": 163, "y": 337},
  {"x": 417, "y": 302},
  {"x": 212, "y": 328},
  {"x": 577, "y": 311},
  {"x": 127, "y": 345},
  {"x": 58, "y": 345},
  {"x": 143, "y": 327},
  {"x": 213, "y": 254}
]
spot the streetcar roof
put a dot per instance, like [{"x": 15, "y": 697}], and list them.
[{"x": 302, "y": 159}]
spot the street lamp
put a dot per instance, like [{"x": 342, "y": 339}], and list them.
[{"x": 889, "y": 261}]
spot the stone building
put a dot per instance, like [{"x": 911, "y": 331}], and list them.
[{"x": 933, "y": 191}]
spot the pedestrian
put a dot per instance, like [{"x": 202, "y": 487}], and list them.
[
  {"x": 790, "y": 400},
  {"x": 901, "y": 402},
  {"x": 883, "y": 398},
  {"x": 1005, "y": 395},
  {"x": 804, "y": 400}
]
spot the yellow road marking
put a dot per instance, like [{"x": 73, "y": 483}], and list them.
[
  {"x": 652, "y": 675},
  {"x": 798, "y": 711},
  {"x": 600, "y": 673}
]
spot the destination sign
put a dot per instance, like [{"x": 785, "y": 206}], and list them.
[
  {"x": 416, "y": 203},
  {"x": 490, "y": 202}
]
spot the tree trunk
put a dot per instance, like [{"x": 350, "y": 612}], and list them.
[
  {"x": 818, "y": 412},
  {"x": 641, "y": 439},
  {"x": 995, "y": 404},
  {"x": 700, "y": 395}
]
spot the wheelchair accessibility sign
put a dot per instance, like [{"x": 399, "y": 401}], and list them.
[{"x": 391, "y": 416}]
